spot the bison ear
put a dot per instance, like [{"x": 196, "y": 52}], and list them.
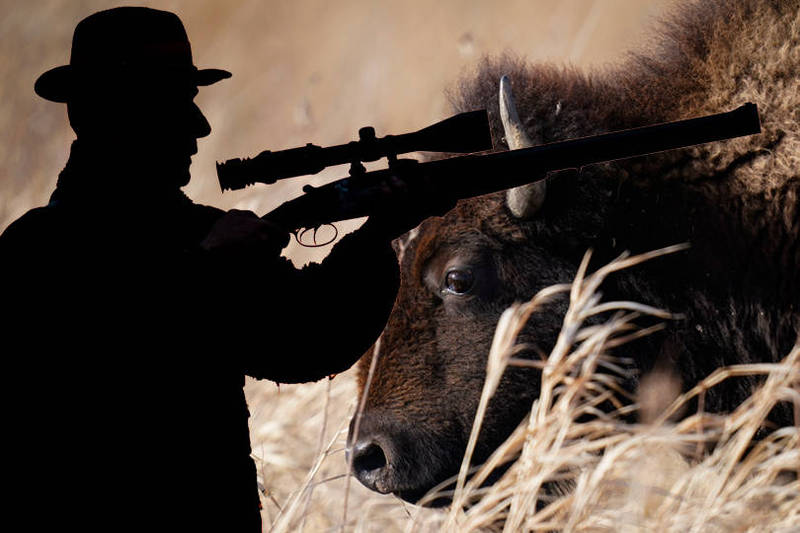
[{"x": 526, "y": 200}]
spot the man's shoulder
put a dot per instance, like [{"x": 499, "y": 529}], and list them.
[
  {"x": 35, "y": 224},
  {"x": 202, "y": 217}
]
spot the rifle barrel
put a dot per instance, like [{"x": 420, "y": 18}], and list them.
[{"x": 475, "y": 175}]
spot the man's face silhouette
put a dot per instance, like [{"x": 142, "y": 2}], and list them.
[{"x": 147, "y": 128}]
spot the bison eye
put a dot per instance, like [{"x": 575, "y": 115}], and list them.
[{"x": 458, "y": 281}]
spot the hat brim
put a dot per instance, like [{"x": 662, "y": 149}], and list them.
[
  {"x": 57, "y": 84},
  {"x": 207, "y": 76}
]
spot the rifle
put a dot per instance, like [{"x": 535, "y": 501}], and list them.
[{"x": 461, "y": 176}]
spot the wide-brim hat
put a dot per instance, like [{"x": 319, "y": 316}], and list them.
[{"x": 133, "y": 42}]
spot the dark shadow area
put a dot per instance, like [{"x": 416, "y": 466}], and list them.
[{"x": 135, "y": 313}]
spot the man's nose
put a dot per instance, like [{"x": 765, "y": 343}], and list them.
[{"x": 200, "y": 125}]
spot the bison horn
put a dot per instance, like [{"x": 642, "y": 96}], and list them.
[{"x": 523, "y": 201}]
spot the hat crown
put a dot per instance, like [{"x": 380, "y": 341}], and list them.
[{"x": 126, "y": 36}]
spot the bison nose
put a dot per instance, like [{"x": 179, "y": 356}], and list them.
[
  {"x": 371, "y": 464},
  {"x": 374, "y": 452}
]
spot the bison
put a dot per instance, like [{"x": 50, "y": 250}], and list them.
[{"x": 737, "y": 288}]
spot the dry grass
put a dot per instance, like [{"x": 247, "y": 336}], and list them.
[{"x": 595, "y": 473}]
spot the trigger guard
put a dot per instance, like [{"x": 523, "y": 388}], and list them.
[{"x": 300, "y": 233}]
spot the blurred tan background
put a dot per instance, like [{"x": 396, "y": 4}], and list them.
[{"x": 304, "y": 71}]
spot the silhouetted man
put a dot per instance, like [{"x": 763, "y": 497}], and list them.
[{"x": 136, "y": 313}]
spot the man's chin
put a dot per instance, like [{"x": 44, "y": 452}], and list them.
[{"x": 183, "y": 178}]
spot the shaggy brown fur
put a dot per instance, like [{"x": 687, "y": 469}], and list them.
[{"x": 736, "y": 202}]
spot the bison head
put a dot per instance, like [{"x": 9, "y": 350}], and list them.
[
  {"x": 736, "y": 203},
  {"x": 460, "y": 272}
]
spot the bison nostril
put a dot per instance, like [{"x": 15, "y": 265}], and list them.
[{"x": 368, "y": 458}]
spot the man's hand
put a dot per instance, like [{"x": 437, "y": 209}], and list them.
[
  {"x": 243, "y": 231},
  {"x": 405, "y": 204}
]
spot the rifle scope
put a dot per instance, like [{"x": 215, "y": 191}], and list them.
[{"x": 463, "y": 133}]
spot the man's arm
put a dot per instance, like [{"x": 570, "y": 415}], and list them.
[{"x": 294, "y": 326}]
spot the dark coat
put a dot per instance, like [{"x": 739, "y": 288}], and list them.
[{"x": 128, "y": 344}]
